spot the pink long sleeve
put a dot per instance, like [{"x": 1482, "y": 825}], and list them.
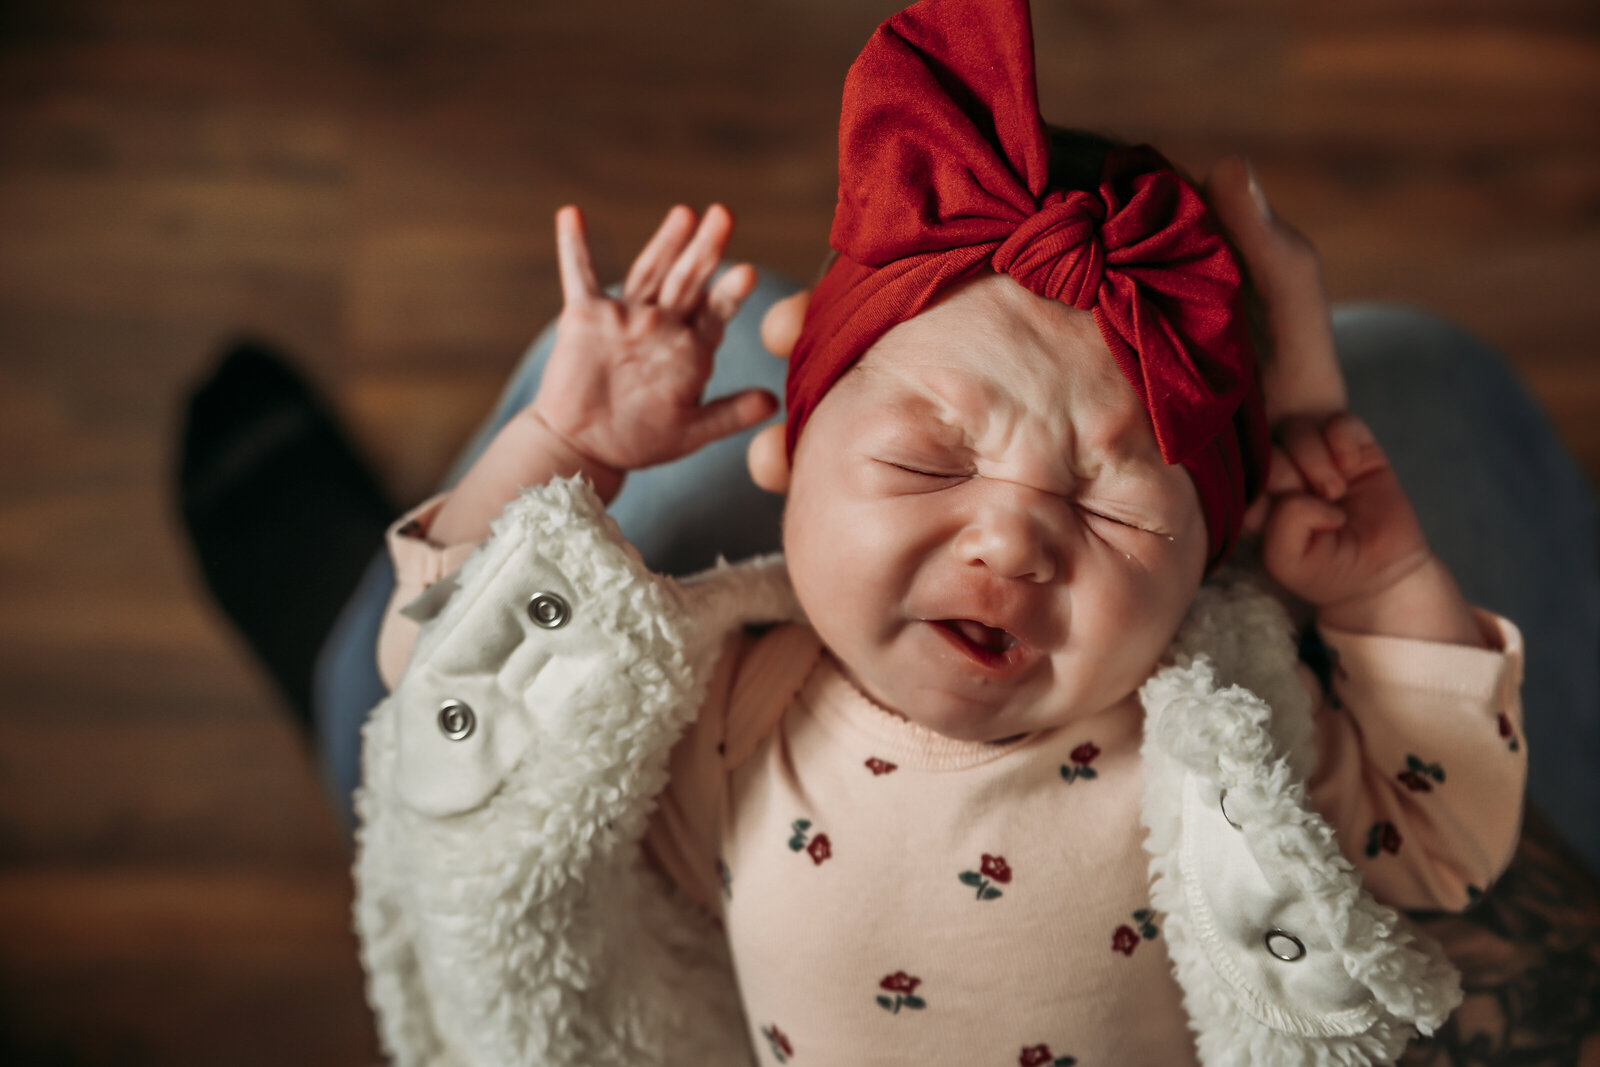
[
  {"x": 418, "y": 563},
  {"x": 1422, "y": 762},
  {"x": 1421, "y": 756}
]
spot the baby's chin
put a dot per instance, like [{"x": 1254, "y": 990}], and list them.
[
  {"x": 950, "y": 716},
  {"x": 992, "y": 729}
]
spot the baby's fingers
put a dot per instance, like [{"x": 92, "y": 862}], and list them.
[
  {"x": 1354, "y": 447},
  {"x": 727, "y": 295},
  {"x": 728, "y": 415},
  {"x": 659, "y": 254},
  {"x": 684, "y": 286},
  {"x": 1293, "y": 524},
  {"x": 1307, "y": 447},
  {"x": 578, "y": 282}
]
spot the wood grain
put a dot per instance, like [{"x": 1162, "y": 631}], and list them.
[{"x": 371, "y": 184}]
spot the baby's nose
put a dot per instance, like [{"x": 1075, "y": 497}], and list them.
[{"x": 1010, "y": 542}]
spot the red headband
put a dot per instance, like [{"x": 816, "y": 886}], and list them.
[{"x": 943, "y": 173}]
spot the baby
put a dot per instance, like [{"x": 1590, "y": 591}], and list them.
[{"x": 1023, "y": 427}]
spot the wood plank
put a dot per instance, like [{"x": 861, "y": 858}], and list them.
[{"x": 371, "y": 185}]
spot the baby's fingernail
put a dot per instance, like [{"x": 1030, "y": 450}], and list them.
[{"x": 1258, "y": 194}]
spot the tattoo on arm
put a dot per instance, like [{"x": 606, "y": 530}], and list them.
[{"x": 1529, "y": 955}]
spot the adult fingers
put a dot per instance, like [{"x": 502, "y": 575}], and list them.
[
  {"x": 684, "y": 286},
  {"x": 657, "y": 256},
  {"x": 572, "y": 257},
  {"x": 780, "y": 326},
  {"x": 1301, "y": 372},
  {"x": 767, "y": 459}
]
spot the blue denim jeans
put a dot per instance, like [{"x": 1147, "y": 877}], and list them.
[{"x": 1502, "y": 502}]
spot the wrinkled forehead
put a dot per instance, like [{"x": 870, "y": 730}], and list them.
[{"x": 990, "y": 356}]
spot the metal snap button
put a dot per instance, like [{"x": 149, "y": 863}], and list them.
[
  {"x": 1222, "y": 802},
  {"x": 549, "y": 610},
  {"x": 456, "y": 720},
  {"x": 1285, "y": 947}
]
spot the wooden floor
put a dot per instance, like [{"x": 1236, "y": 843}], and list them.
[{"x": 370, "y": 183}]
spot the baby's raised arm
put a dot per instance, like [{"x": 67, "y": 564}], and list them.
[
  {"x": 623, "y": 386},
  {"x": 621, "y": 390},
  {"x": 1339, "y": 532},
  {"x": 1342, "y": 536}
]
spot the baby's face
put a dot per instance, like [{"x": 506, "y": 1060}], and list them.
[{"x": 980, "y": 525}]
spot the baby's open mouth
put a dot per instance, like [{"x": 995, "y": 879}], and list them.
[{"x": 990, "y": 639}]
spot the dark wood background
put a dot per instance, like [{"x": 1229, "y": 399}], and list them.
[{"x": 370, "y": 183}]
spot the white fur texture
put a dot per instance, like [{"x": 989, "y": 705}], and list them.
[
  {"x": 512, "y": 922},
  {"x": 1368, "y": 979},
  {"x": 506, "y": 916}
]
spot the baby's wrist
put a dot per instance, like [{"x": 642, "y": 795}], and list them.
[
  {"x": 571, "y": 459},
  {"x": 1422, "y": 603}
]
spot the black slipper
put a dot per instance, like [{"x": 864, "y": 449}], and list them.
[{"x": 283, "y": 514}]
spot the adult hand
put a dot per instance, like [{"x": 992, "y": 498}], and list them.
[
  {"x": 1299, "y": 371},
  {"x": 780, "y": 328}
]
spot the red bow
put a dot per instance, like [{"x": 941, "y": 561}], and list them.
[{"x": 943, "y": 172}]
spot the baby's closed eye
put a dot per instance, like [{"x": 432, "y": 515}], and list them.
[
  {"x": 1109, "y": 513},
  {"x": 929, "y": 470},
  {"x": 923, "y": 473}
]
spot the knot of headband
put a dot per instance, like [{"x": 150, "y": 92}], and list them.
[
  {"x": 1057, "y": 251},
  {"x": 944, "y": 166}
]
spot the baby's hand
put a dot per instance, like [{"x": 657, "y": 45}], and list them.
[
  {"x": 1340, "y": 527},
  {"x": 625, "y": 378}
]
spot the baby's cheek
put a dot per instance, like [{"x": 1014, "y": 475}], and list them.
[{"x": 1143, "y": 609}]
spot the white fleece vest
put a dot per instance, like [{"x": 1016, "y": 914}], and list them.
[{"x": 507, "y": 918}]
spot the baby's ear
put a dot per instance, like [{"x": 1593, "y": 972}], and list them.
[{"x": 768, "y": 460}]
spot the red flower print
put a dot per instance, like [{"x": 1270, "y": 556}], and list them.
[
  {"x": 1415, "y": 782},
  {"x": 1419, "y": 777},
  {"x": 1126, "y": 938},
  {"x": 1081, "y": 757},
  {"x": 781, "y": 1049},
  {"x": 995, "y": 867},
  {"x": 880, "y": 767},
  {"x": 990, "y": 870},
  {"x": 1034, "y": 1056},
  {"x": 820, "y": 849},
  {"x": 1506, "y": 731},
  {"x": 900, "y": 982},
  {"x": 904, "y": 988},
  {"x": 1383, "y": 837}
]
